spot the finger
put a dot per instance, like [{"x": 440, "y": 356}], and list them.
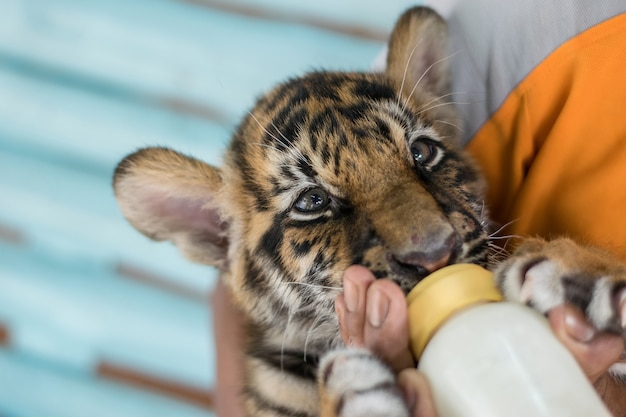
[
  {"x": 350, "y": 305},
  {"x": 386, "y": 327},
  {"x": 594, "y": 352},
  {"x": 417, "y": 393}
]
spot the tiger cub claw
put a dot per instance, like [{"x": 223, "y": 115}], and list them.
[{"x": 544, "y": 274}]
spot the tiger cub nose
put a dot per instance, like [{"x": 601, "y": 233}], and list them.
[{"x": 433, "y": 256}]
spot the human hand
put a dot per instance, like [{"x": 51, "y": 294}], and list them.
[
  {"x": 372, "y": 314},
  {"x": 377, "y": 319},
  {"x": 594, "y": 352}
]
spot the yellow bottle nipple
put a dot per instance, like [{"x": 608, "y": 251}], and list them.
[{"x": 443, "y": 293}]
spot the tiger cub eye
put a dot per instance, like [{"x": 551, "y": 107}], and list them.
[
  {"x": 312, "y": 200},
  {"x": 423, "y": 150}
]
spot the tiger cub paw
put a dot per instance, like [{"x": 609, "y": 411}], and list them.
[
  {"x": 354, "y": 383},
  {"x": 544, "y": 274}
]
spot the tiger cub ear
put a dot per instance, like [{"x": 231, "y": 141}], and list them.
[
  {"x": 418, "y": 53},
  {"x": 169, "y": 196}
]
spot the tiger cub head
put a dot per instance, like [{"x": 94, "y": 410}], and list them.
[{"x": 328, "y": 170}]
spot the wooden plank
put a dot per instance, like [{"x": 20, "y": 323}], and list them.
[
  {"x": 5, "y": 337},
  {"x": 91, "y": 131},
  {"x": 162, "y": 50},
  {"x": 199, "y": 397},
  {"x": 85, "y": 136},
  {"x": 11, "y": 235},
  {"x": 80, "y": 221},
  {"x": 142, "y": 274},
  {"x": 369, "y": 19},
  {"x": 79, "y": 315},
  {"x": 32, "y": 388}
]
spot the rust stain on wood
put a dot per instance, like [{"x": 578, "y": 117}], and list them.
[
  {"x": 192, "y": 395},
  {"x": 141, "y": 275},
  {"x": 12, "y": 235},
  {"x": 194, "y": 109},
  {"x": 5, "y": 337}
]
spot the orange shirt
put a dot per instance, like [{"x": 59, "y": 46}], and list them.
[{"x": 554, "y": 152}]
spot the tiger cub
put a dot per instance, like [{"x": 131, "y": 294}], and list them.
[{"x": 333, "y": 169}]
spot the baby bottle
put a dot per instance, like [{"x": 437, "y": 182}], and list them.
[{"x": 488, "y": 358}]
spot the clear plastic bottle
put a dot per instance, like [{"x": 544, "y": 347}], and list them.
[{"x": 492, "y": 359}]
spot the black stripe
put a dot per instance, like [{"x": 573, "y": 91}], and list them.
[
  {"x": 477, "y": 231},
  {"x": 326, "y": 153},
  {"x": 238, "y": 148},
  {"x": 264, "y": 404},
  {"x": 479, "y": 253},
  {"x": 383, "y": 131},
  {"x": 272, "y": 239},
  {"x": 272, "y": 101},
  {"x": 290, "y": 361},
  {"x": 321, "y": 264},
  {"x": 254, "y": 278},
  {"x": 292, "y": 90},
  {"x": 302, "y": 248},
  {"x": 300, "y": 95},
  {"x": 286, "y": 173},
  {"x": 285, "y": 126},
  {"x": 374, "y": 90},
  {"x": 325, "y": 85},
  {"x": 578, "y": 290},
  {"x": 322, "y": 125},
  {"x": 305, "y": 167},
  {"x": 388, "y": 387},
  {"x": 253, "y": 188},
  {"x": 337, "y": 161},
  {"x": 354, "y": 112}
]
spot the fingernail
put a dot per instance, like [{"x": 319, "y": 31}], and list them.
[
  {"x": 377, "y": 308},
  {"x": 577, "y": 327},
  {"x": 350, "y": 295}
]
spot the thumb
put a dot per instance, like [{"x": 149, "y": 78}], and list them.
[
  {"x": 595, "y": 352},
  {"x": 417, "y": 393}
]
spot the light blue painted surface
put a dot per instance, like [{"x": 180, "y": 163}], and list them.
[
  {"x": 34, "y": 389},
  {"x": 371, "y": 14},
  {"x": 83, "y": 83},
  {"x": 162, "y": 48},
  {"x": 78, "y": 314},
  {"x": 73, "y": 216},
  {"x": 94, "y": 129}
]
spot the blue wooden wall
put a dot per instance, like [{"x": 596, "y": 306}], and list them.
[{"x": 95, "y": 320}]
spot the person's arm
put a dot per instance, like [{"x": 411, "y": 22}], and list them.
[{"x": 228, "y": 333}]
